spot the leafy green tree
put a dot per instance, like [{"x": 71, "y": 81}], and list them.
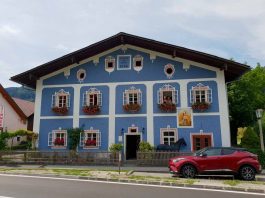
[
  {"x": 245, "y": 96},
  {"x": 250, "y": 139}
]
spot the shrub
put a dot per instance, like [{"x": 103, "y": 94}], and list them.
[
  {"x": 261, "y": 156},
  {"x": 74, "y": 137},
  {"x": 250, "y": 139},
  {"x": 145, "y": 147},
  {"x": 115, "y": 147}
]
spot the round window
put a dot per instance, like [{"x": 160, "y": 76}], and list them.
[
  {"x": 169, "y": 70},
  {"x": 81, "y": 74}
]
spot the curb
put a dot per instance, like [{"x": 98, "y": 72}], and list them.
[{"x": 158, "y": 183}]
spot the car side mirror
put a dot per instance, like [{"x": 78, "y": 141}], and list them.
[{"x": 203, "y": 155}]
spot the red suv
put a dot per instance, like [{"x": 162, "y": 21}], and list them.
[{"x": 221, "y": 160}]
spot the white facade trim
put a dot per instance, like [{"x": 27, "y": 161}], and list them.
[
  {"x": 149, "y": 113},
  {"x": 112, "y": 107},
  {"x": 76, "y": 107},
  {"x": 37, "y": 108}
]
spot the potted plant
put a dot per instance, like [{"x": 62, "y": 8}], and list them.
[
  {"x": 60, "y": 110},
  {"x": 200, "y": 106},
  {"x": 132, "y": 107},
  {"x": 168, "y": 107},
  {"x": 91, "y": 110},
  {"x": 90, "y": 143},
  {"x": 59, "y": 142}
]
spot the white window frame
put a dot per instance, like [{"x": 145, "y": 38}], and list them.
[
  {"x": 168, "y": 129},
  {"x": 52, "y": 137},
  {"x": 56, "y": 99},
  {"x": 84, "y": 138},
  {"x": 135, "y": 59},
  {"x": 202, "y": 133},
  {"x": 200, "y": 88},
  {"x": 108, "y": 60},
  {"x": 90, "y": 93},
  {"x": 167, "y": 88},
  {"x": 132, "y": 90},
  {"x": 118, "y": 62}
]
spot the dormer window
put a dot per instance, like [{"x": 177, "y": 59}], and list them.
[
  {"x": 132, "y": 99},
  {"x": 167, "y": 98},
  {"x": 61, "y": 102},
  {"x": 92, "y": 101},
  {"x": 109, "y": 64},
  {"x": 200, "y": 97},
  {"x": 138, "y": 63}
]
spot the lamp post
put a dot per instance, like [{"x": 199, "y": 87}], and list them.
[{"x": 259, "y": 113}]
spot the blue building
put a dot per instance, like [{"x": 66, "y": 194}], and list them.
[{"x": 129, "y": 89}]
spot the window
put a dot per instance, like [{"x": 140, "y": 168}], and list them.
[
  {"x": 92, "y": 97},
  {"x": 18, "y": 138},
  {"x": 167, "y": 95},
  {"x": 213, "y": 152},
  {"x": 61, "y": 99},
  {"x": 81, "y": 75},
  {"x": 227, "y": 151},
  {"x": 109, "y": 64},
  {"x": 201, "y": 141},
  {"x": 132, "y": 96},
  {"x": 90, "y": 139},
  {"x": 138, "y": 63},
  {"x": 133, "y": 130},
  {"x": 168, "y": 136},
  {"x": 200, "y": 94},
  {"x": 169, "y": 70},
  {"x": 57, "y": 138},
  {"x": 124, "y": 62}
]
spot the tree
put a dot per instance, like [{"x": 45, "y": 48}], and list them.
[{"x": 245, "y": 96}]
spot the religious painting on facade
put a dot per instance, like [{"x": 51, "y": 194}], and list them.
[{"x": 185, "y": 118}]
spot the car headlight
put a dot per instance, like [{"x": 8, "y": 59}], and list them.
[{"x": 178, "y": 159}]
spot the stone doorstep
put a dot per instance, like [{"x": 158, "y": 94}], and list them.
[{"x": 159, "y": 183}]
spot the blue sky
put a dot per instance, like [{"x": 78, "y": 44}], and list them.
[{"x": 34, "y": 32}]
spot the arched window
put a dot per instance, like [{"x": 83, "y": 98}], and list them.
[
  {"x": 61, "y": 99},
  {"x": 200, "y": 94},
  {"x": 92, "y": 97}
]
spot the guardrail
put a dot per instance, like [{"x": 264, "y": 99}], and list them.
[
  {"x": 157, "y": 158},
  {"x": 59, "y": 157}
]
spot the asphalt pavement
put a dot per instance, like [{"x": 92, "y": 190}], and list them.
[{"x": 40, "y": 187}]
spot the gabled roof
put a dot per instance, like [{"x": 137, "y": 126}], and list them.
[
  {"x": 26, "y": 106},
  {"x": 12, "y": 103},
  {"x": 232, "y": 69}
]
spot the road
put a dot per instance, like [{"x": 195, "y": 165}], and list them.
[{"x": 39, "y": 187}]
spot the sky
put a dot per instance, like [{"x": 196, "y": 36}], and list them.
[{"x": 33, "y": 32}]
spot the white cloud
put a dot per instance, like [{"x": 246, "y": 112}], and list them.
[{"x": 7, "y": 30}]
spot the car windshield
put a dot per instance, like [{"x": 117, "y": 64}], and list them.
[{"x": 197, "y": 153}]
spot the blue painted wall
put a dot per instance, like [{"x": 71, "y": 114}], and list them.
[
  {"x": 209, "y": 124},
  {"x": 119, "y": 98},
  {"x": 156, "y": 87},
  {"x": 151, "y": 71},
  {"x": 214, "y": 107},
  {"x": 48, "y": 125},
  {"x": 125, "y": 122},
  {"x": 104, "y": 110},
  {"x": 100, "y": 124},
  {"x": 46, "y": 101}
]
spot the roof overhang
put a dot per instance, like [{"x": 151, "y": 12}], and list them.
[{"x": 232, "y": 69}]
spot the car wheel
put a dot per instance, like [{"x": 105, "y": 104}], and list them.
[
  {"x": 247, "y": 173},
  {"x": 188, "y": 171}
]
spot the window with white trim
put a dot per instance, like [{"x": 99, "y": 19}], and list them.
[
  {"x": 167, "y": 95},
  {"x": 109, "y": 64},
  {"x": 124, "y": 62},
  {"x": 92, "y": 97},
  {"x": 138, "y": 61},
  {"x": 57, "y": 138},
  {"x": 168, "y": 136},
  {"x": 132, "y": 96},
  {"x": 61, "y": 99},
  {"x": 90, "y": 139},
  {"x": 200, "y": 94}
]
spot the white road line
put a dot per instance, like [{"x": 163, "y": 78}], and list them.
[
  {"x": 133, "y": 184},
  {"x": 5, "y": 197}
]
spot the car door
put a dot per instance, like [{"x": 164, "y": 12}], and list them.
[
  {"x": 227, "y": 159},
  {"x": 209, "y": 160}
]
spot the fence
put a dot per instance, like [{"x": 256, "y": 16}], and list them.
[
  {"x": 155, "y": 158},
  {"x": 59, "y": 157}
]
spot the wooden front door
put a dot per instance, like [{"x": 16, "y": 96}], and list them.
[{"x": 201, "y": 141}]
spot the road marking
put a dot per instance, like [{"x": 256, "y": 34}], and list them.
[
  {"x": 5, "y": 197},
  {"x": 132, "y": 184}
]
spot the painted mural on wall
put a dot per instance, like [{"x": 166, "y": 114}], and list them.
[{"x": 185, "y": 118}]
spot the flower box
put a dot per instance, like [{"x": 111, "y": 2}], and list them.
[
  {"x": 90, "y": 143},
  {"x": 200, "y": 106},
  {"x": 91, "y": 110},
  {"x": 59, "y": 142},
  {"x": 168, "y": 107},
  {"x": 132, "y": 107},
  {"x": 60, "y": 110}
]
